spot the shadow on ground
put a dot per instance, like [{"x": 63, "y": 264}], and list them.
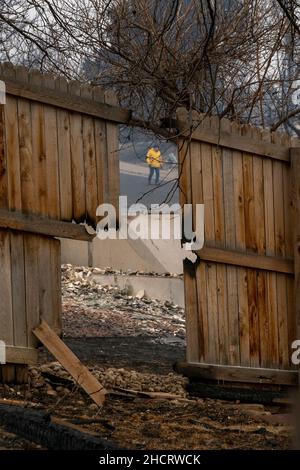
[{"x": 141, "y": 353}]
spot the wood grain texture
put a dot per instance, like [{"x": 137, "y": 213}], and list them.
[
  {"x": 55, "y": 285},
  {"x": 64, "y": 156},
  {"x": 21, "y": 355},
  {"x": 32, "y": 283},
  {"x": 240, "y": 243},
  {"x": 39, "y": 164},
  {"x": 12, "y": 154},
  {"x": 63, "y": 100},
  {"x": 230, "y": 140},
  {"x": 238, "y": 258},
  {"x": 18, "y": 288},
  {"x": 230, "y": 242},
  {"x": 58, "y": 162},
  {"x": 3, "y": 162},
  {"x": 6, "y": 308},
  {"x": 112, "y": 143},
  {"x": 203, "y": 312},
  {"x": 89, "y": 155},
  {"x": 51, "y": 153},
  {"x": 191, "y": 297},
  {"x": 193, "y": 326},
  {"x": 244, "y": 275}
]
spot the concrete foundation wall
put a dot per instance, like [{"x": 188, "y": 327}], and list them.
[
  {"x": 160, "y": 288},
  {"x": 148, "y": 255}
]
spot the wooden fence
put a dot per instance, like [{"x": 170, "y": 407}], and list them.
[
  {"x": 58, "y": 162},
  {"x": 240, "y": 313}
]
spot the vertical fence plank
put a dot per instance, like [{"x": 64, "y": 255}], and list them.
[
  {"x": 202, "y": 312},
  {"x": 90, "y": 163},
  {"x": 261, "y": 326},
  {"x": 217, "y": 164},
  {"x": 280, "y": 250},
  {"x": 222, "y": 298},
  {"x": 208, "y": 194},
  {"x": 112, "y": 143},
  {"x": 51, "y": 150},
  {"x": 13, "y": 158},
  {"x": 77, "y": 160},
  {"x": 18, "y": 288},
  {"x": 38, "y": 149},
  {"x": 101, "y": 161},
  {"x": 250, "y": 233},
  {"x": 44, "y": 272},
  {"x": 219, "y": 220},
  {"x": 196, "y": 183},
  {"x": 6, "y": 311},
  {"x": 230, "y": 240},
  {"x": 64, "y": 156},
  {"x": 32, "y": 283},
  {"x": 90, "y": 168},
  {"x": 55, "y": 278},
  {"x": 253, "y": 318},
  {"x": 251, "y": 246},
  {"x": 211, "y": 269},
  {"x": 28, "y": 189},
  {"x": 12, "y": 147},
  {"x": 191, "y": 312},
  {"x": 191, "y": 298},
  {"x": 240, "y": 241},
  {"x": 271, "y": 297},
  {"x": 3, "y": 162}
]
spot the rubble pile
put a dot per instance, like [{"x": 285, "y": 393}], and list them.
[
  {"x": 48, "y": 377},
  {"x": 130, "y": 345},
  {"x": 90, "y": 309}
]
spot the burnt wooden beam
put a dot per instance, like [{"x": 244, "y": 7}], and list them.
[
  {"x": 237, "y": 373},
  {"x": 38, "y": 426},
  {"x": 233, "y": 393}
]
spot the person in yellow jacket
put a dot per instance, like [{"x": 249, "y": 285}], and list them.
[{"x": 155, "y": 162}]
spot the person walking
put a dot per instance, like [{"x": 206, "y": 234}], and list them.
[{"x": 154, "y": 161}]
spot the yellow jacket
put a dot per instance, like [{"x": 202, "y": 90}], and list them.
[{"x": 154, "y": 158}]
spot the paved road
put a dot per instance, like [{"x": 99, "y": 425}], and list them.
[{"x": 135, "y": 186}]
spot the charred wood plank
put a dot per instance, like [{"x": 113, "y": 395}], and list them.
[{"x": 36, "y": 426}]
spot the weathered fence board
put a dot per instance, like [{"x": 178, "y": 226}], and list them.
[
  {"x": 58, "y": 162},
  {"x": 244, "y": 276},
  {"x": 28, "y": 263},
  {"x": 60, "y": 158}
]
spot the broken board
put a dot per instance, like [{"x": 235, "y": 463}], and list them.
[{"x": 71, "y": 363}]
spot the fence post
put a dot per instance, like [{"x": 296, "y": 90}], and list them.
[{"x": 295, "y": 168}]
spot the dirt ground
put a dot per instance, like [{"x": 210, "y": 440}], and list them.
[{"x": 132, "y": 344}]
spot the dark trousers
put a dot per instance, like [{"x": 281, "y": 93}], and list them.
[{"x": 152, "y": 171}]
